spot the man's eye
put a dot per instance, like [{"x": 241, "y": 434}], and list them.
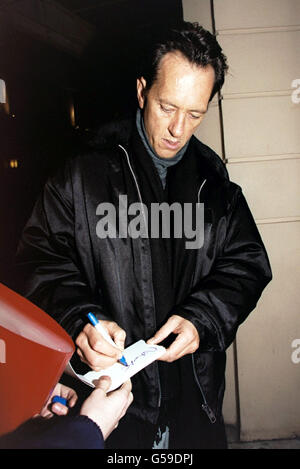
[
  {"x": 166, "y": 109},
  {"x": 193, "y": 116}
]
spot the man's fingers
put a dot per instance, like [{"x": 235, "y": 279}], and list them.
[
  {"x": 127, "y": 404},
  {"x": 124, "y": 393},
  {"x": 94, "y": 350},
  {"x": 117, "y": 334},
  {"x": 162, "y": 333},
  {"x": 59, "y": 409},
  {"x": 130, "y": 399},
  {"x": 180, "y": 347},
  {"x": 127, "y": 385},
  {"x": 72, "y": 401},
  {"x": 187, "y": 340},
  {"x": 176, "y": 349},
  {"x": 69, "y": 394},
  {"x": 119, "y": 339},
  {"x": 104, "y": 383},
  {"x": 99, "y": 344},
  {"x": 172, "y": 355},
  {"x": 95, "y": 360}
]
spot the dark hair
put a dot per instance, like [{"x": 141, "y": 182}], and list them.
[{"x": 195, "y": 43}]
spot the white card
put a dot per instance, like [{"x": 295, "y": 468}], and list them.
[{"x": 138, "y": 356}]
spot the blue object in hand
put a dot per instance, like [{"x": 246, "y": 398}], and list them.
[
  {"x": 61, "y": 400},
  {"x": 92, "y": 318}
]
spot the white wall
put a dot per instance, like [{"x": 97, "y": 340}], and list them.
[{"x": 261, "y": 39}]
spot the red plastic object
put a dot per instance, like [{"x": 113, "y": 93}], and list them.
[{"x": 34, "y": 351}]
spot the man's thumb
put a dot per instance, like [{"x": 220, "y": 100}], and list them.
[{"x": 104, "y": 383}]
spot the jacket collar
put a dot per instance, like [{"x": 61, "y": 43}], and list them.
[{"x": 121, "y": 132}]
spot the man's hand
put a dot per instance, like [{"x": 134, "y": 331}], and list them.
[
  {"x": 187, "y": 340},
  {"x": 107, "y": 409},
  {"x": 95, "y": 351},
  {"x": 50, "y": 409}
]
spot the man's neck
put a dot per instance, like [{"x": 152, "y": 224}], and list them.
[{"x": 161, "y": 164}]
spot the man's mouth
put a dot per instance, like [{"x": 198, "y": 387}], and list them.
[{"x": 172, "y": 145}]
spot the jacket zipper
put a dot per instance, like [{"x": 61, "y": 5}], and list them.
[
  {"x": 205, "y": 405},
  {"x": 136, "y": 184},
  {"x": 144, "y": 217},
  {"x": 200, "y": 189},
  {"x": 210, "y": 414}
]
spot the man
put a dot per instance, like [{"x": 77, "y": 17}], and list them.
[{"x": 189, "y": 298}]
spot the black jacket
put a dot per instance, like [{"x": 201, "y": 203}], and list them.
[{"x": 70, "y": 271}]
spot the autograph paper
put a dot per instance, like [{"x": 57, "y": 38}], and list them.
[{"x": 138, "y": 356}]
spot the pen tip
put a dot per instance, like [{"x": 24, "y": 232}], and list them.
[{"x": 123, "y": 361}]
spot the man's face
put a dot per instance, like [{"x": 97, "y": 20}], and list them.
[{"x": 175, "y": 104}]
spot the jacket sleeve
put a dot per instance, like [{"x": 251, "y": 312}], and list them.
[
  {"x": 48, "y": 270},
  {"x": 223, "y": 299},
  {"x": 67, "y": 432}
]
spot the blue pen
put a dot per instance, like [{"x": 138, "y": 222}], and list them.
[{"x": 92, "y": 318}]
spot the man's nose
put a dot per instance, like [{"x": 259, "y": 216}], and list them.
[{"x": 176, "y": 126}]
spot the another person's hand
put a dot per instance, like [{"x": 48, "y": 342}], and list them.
[
  {"x": 187, "y": 340},
  {"x": 106, "y": 409},
  {"x": 57, "y": 408},
  {"x": 95, "y": 351}
]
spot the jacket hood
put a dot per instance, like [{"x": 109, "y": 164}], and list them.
[{"x": 112, "y": 133}]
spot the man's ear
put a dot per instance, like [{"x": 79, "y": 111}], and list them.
[{"x": 141, "y": 87}]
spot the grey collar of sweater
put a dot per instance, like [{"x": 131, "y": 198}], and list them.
[{"x": 161, "y": 164}]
